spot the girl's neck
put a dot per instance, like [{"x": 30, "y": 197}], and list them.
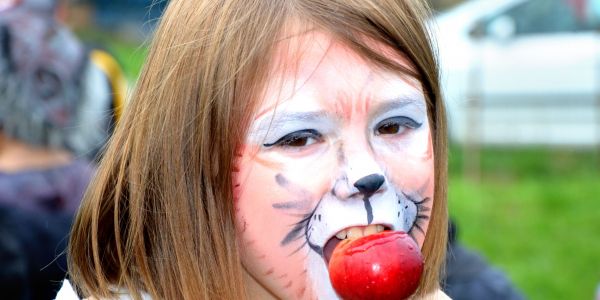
[{"x": 17, "y": 156}]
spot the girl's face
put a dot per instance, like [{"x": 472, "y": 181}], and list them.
[{"x": 338, "y": 148}]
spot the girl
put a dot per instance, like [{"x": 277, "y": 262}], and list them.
[{"x": 261, "y": 134}]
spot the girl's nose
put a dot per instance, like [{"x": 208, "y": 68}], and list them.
[{"x": 369, "y": 184}]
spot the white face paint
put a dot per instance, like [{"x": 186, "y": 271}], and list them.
[{"x": 336, "y": 145}]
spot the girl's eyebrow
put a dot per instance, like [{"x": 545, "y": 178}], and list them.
[
  {"x": 399, "y": 103},
  {"x": 276, "y": 122},
  {"x": 277, "y": 119}
]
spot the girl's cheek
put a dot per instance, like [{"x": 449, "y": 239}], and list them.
[
  {"x": 271, "y": 196},
  {"x": 409, "y": 173},
  {"x": 265, "y": 181},
  {"x": 412, "y": 172},
  {"x": 311, "y": 171}
]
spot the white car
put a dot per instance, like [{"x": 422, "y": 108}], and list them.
[{"x": 522, "y": 72}]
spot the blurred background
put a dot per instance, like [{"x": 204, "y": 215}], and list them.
[{"x": 522, "y": 83}]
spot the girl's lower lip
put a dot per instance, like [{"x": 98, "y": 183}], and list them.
[{"x": 329, "y": 247}]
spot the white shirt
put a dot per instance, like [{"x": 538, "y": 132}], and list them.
[{"x": 66, "y": 292}]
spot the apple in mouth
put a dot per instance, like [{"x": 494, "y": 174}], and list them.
[{"x": 382, "y": 265}]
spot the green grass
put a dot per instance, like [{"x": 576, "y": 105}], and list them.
[
  {"x": 535, "y": 214},
  {"x": 129, "y": 54}
]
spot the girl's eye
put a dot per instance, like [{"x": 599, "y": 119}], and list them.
[
  {"x": 300, "y": 138},
  {"x": 395, "y": 125}
]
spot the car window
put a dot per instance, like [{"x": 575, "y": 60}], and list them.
[{"x": 549, "y": 16}]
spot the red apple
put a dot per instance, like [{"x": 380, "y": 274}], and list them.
[{"x": 386, "y": 265}]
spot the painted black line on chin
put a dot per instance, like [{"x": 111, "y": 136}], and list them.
[{"x": 369, "y": 210}]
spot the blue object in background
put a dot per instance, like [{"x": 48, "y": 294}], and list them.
[{"x": 111, "y": 14}]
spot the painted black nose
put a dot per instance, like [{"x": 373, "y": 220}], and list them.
[{"x": 369, "y": 184}]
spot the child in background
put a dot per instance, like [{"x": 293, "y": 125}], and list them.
[
  {"x": 56, "y": 109},
  {"x": 56, "y": 112}
]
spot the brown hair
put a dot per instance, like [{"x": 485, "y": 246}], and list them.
[{"x": 159, "y": 216}]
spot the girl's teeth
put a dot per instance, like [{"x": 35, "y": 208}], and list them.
[
  {"x": 354, "y": 233},
  {"x": 359, "y": 231},
  {"x": 371, "y": 229}
]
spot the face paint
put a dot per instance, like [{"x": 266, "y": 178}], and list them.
[{"x": 337, "y": 149}]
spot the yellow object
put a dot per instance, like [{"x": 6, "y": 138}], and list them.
[{"x": 116, "y": 79}]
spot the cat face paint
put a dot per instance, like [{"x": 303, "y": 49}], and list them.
[{"x": 336, "y": 145}]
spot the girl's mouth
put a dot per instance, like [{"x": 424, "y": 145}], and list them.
[{"x": 353, "y": 232}]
